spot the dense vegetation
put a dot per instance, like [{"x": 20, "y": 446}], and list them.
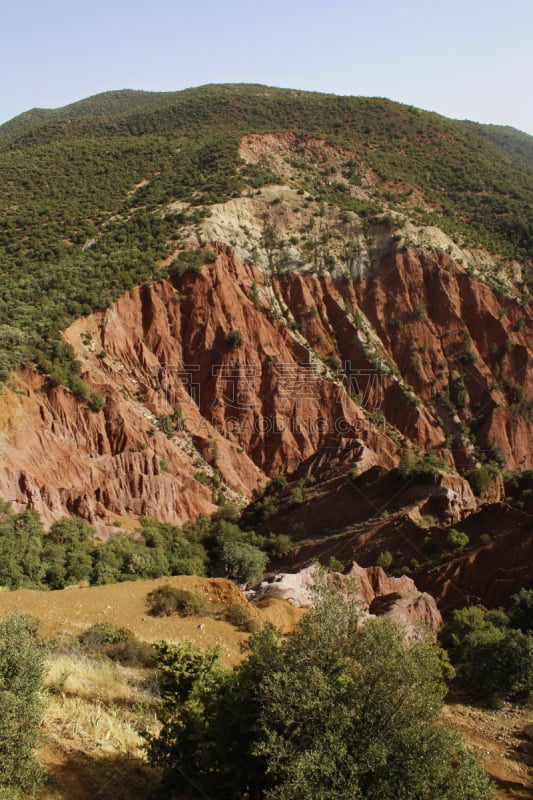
[
  {"x": 334, "y": 709},
  {"x": 21, "y": 674},
  {"x": 68, "y": 553},
  {"x": 84, "y": 191},
  {"x": 493, "y": 650}
]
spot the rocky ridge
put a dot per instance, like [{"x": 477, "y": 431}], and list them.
[
  {"x": 379, "y": 595},
  {"x": 316, "y": 342}
]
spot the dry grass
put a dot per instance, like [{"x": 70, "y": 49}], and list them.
[
  {"x": 98, "y": 679},
  {"x": 94, "y": 727},
  {"x": 73, "y": 610},
  {"x": 98, "y": 704},
  {"x": 95, "y": 712}
]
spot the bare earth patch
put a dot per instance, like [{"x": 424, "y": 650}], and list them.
[{"x": 503, "y": 741}]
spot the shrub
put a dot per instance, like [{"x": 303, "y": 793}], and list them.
[
  {"x": 419, "y": 310},
  {"x": 96, "y": 401},
  {"x": 241, "y": 617},
  {"x": 167, "y": 600},
  {"x": 498, "y": 662},
  {"x": 479, "y": 480},
  {"x": 385, "y": 559},
  {"x": 278, "y": 545},
  {"x": 334, "y": 565},
  {"x": 278, "y": 479},
  {"x": 521, "y": 610},
  {"x": 412, "y": 464},
  {"x": 457, "y": 540},
  {"x": 234, "y": 338},
  {"x": 133, "y": 652},
  {"x": 104, "y": 633},
  {"x": 467, "y": 622},
  {"x": 21, "y": 675},
  {"x": 190, "y": 261},
  {"x": 242, "y": 561}
]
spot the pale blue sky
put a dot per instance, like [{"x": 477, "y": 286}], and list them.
[{"x": 471, "y": 59}]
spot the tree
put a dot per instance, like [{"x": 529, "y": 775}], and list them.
[
  {"x": 243, "y": 562},
  {"x": 467, "y": 622},
  {"x": 457, "y": 540},
  {"x": 494, "y": 659},
  {"x": 498, "y": 663},
  {"x": 334, "y": 709},
  {"x": 521, "y": 610},
  {"x": 21, "y": 674}
]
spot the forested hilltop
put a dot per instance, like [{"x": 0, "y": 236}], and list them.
[
  {"x": 245, "y": 332},
  {"x": 85, "y": 190}
]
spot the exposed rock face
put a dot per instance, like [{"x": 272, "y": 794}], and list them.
[
  {"x": 341, "y": 514},
  {"x": 267, "y": 374},
  {"x": 396, "y": 597},
  {"x": 262, "y": 394},
  {"x": 380, "y": 595},
  {"x": 61, "y": 458},
  {"x": 451, "y": 498},
  {"x": 489, "y": 575}
]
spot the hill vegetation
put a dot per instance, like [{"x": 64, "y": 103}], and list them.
[
  {"x": 85, "y": 190},
  {"x": 334, "y": 709},
  {"x": 69, "y": 554}
]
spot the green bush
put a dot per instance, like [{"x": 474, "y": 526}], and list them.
[
  {"x": 385, "y": 559},
  {"x": 118, "y": 643},
  {"x": 241, "y": 617},
  {"x": 498, "y": 662},
  {"x": 104, "y": 633},
  {"x": 480, "y": 480},
  {"x": 243, "y": 562},
  {"x": 133, "y": 652},
  {"x": 334, "y": 565},
  {"x": 167, "y": 600},
  {"x": 191, "y": 261},
  {"x": 457, "y": 540},
  {"x": 334, "y": 709},
  {"x": 21, "y": 675},
  {"x": 494, "y": 659},
  {"x": 68, "y": 554},
  {"x": 466, "y": 622},
  {"x": 413, "y": 464},
  {"x": 234, "y": 338},
  {"x": 278, "y": 479},
  {"x": 278, "y": 545},
  {"x": 521, "y": 610}
]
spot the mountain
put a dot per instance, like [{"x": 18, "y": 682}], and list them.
[{"x": 315, "y": 305}]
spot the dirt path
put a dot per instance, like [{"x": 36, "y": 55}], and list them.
[{"x": 503, "y": 741}]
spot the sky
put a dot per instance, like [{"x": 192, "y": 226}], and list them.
[{"x": 467, "y": 60}]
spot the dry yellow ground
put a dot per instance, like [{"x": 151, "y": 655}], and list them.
[{"x": 74, "y": 609}]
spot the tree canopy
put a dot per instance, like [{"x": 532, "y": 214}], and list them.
[
  {"x": 21, "y": 674},
  {"x": 334, "y": 709}
]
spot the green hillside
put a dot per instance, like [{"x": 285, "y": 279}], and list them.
[{"x": 73, "y": 235}]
